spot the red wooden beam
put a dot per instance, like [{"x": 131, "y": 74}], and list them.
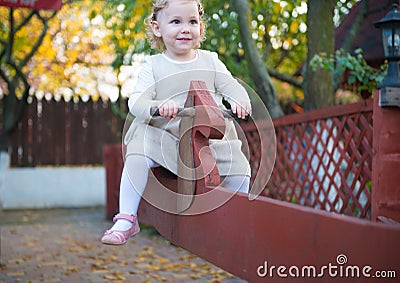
[
  {"x": 33, "y": 4},
  {"x": 325, "y": 113},
  {"x": 114, "y": 164},
  {"x": 386, "y": 162},
  {"x": 242, "y": 236}
]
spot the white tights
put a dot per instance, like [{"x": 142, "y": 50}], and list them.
[{"x": 134, "y": 179}]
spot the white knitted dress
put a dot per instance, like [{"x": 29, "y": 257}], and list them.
[{"x": 162, "y": 78}]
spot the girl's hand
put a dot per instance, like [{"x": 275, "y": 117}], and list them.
[
  {"x": 168, "y": 109},
  {"x": 240, "y": 111}
]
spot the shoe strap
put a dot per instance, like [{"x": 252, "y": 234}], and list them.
[{"x": 130, "y": 218}]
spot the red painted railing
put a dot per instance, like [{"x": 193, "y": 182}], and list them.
[{"x": 324, "y": 158}]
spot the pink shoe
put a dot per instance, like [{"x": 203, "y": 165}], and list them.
[{"x": 121, "y": 237}]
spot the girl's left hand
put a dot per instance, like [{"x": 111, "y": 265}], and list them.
[{"x": 241, "y": 111}]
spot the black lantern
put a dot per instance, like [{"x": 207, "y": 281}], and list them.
[{"x": 390, "y": 32}]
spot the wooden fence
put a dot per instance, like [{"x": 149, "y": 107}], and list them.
[
  {"x": 324, "y": 157},
  {"x": 64, "y": 133}
]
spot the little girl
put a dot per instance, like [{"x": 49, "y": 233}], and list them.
[{"x": 176, "y": 28}]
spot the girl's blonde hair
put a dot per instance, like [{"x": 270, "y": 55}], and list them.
[{"x": 157, "y": 42}]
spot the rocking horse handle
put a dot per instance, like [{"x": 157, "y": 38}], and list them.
[
  {"x": 182, "y": 111},
  {"x": 191, "y": 112}
]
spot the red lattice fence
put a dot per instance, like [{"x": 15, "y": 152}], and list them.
[{"x": 324, "y": 159}]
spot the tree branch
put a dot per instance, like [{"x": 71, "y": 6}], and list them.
[
  {"x": 355, "y": 27},
  {"x": 286, "y": 78},
  {"x": 21, "y": 106},
  {"x": 4, "y": 76},
  {"x": 25, "y": 21},
  {"x": 8, "y": 47},
  {"x": 256, "y": 65},
  {"x": 40, "y": 39}
]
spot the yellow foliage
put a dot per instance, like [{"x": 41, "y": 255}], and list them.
[
  {"x": 75, "y": 46},
  {"x": 277, "y": 8}
]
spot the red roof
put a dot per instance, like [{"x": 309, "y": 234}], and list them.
[{"x": 368, "y": 38}]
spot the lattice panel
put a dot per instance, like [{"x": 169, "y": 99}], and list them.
[{"x": 325, "y": 163}]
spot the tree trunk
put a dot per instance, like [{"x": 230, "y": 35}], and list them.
[
  {"x": 318, "y": 89},
  {"x": 9, "y": 102},
  {"x": 13, "y": 110},
  {"x": 258, "y": 71}
]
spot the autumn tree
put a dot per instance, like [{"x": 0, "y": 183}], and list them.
[
  {"x": 74, "y": 61},
  {"x": 54, "y": 55},
  {"x": 18, "y": 45}
]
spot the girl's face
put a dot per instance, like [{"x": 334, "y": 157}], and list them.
[{"x": 179, "y": 26}]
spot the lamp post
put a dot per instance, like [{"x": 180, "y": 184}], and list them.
[{"x": 390, "y": 32}]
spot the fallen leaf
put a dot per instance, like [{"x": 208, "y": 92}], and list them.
[
  {"x": 15, "y": 274},
  {"x": 52, "y": 263}
]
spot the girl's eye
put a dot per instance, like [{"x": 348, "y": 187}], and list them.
[
  {"x": 175, "y": 22},
  {"x": 193, "y": 22}
]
